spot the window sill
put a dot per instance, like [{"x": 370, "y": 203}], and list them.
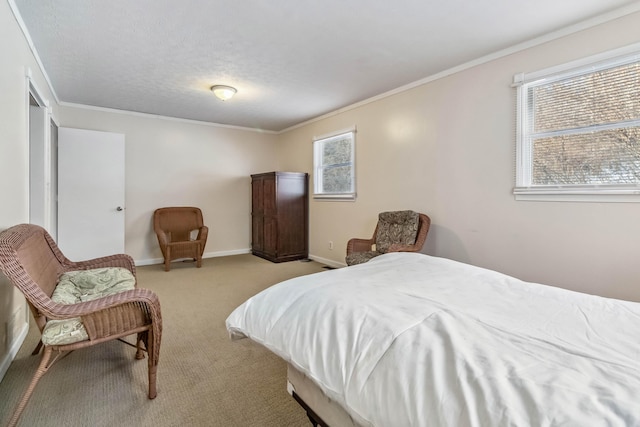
[
  {"x": 594, "y": 194},
  {"x": 335, "y": 197}
]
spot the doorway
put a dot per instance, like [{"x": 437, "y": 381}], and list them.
[{"x": 43, "y": 163}]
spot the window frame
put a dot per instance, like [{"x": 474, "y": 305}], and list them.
[
  {"x": 318, "y": 142},
  {"x": 524, "y": 189}
]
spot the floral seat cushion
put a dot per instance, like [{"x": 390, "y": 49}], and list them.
[
  {"x": 361, "y": 257},
  {"x": 78, "y": 286}
]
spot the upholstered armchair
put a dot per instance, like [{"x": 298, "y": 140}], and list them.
[
  {"x": 181, "y": 233},
  {"x": 78, "y": 304},
  {"x": 396, "y": 231}
]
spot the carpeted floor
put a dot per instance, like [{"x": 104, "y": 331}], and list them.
[{"x": 204, "y": 379}]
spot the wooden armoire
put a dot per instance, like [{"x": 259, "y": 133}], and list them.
[{"x": 279, "y": 216}]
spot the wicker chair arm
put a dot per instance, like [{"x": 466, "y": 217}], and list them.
[
  {"x": 119, "y": 260},
  {"x": 203, "y": 233},
  {"x": 139, "y": 310},
  {"x": 359, "y": 245},
  {"x": 58, "y": 311},
  {"x": 163, "y": 237}
]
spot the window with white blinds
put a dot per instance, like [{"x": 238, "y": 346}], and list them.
[
  {"x": 579, "y": 129},
  {"x": 334, "y": 166}
]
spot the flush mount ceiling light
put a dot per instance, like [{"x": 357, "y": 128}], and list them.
[{"x": 223, "y": 92}]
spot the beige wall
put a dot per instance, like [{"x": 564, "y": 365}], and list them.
[
  {"x": 446, "y": 148},
  {"x": 179, "y": 163},
  {"x": 14, "y": 163}
]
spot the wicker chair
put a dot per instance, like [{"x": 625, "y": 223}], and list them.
[
  {"x": 396, "y": 231},
  {"x": 174, "y": 226},
  {"x": 32, "y": 261}
]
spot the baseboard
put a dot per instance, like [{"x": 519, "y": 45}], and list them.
[
  {"x": 329, "y": 262},
  {"x": 326, "y": 261},
  {"x": 153, "y": 261},
  {"x": 15, "y": 346}
]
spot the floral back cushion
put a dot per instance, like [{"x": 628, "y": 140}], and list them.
[{"x": 396, "y": 227}]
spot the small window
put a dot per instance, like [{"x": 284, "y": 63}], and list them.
[
  {"x": 333, "y": 165},
  {"x": 579, "y": 130}
]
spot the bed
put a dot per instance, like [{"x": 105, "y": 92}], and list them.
[{"x": 408, "y": 339}]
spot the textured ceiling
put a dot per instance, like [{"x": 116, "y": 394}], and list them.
[{"x": 291, "y": 60}]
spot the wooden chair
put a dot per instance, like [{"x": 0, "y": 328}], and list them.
[
  {"x": 396, "y": 231},
  {"x": 32, "y": 261},
  {"x": 174, "y": 227}
]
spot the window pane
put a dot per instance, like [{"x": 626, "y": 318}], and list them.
[
  {"x": 337, "y": 180},
  {"x": 603, "y": 97},
  {"x": 334, "y": 165},
  {"x": 337, "y": 151},
  {"x": 604, "y": 157}
]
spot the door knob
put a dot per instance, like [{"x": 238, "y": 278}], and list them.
[{"x": 119, "y": 208}]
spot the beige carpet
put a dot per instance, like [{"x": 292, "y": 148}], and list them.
[{"x": 204, "y": 379}]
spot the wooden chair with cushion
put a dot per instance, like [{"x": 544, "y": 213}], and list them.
[
  {"x": 396, "y": 231},
  {"x": 78, "y": 304},
  {"x": 175, "y": 228}
]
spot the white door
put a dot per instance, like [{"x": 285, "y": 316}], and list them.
[{"x": 90, "y": 193}]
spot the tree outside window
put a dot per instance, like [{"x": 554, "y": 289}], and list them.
[
  {"x": 580, "y": 130},
  {"x": 334, "y": 166}
]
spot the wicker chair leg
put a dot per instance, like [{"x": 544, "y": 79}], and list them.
[
  {"x": 42, "y": 369},
  {"x": 37, "y": 349},
  {"x": 167, "y": 259},
  {"x": 153, "y": 363},
  {"x": 198, "y": 255},
  {"x": 152, "y": 380},
  {"x": 139, "y": 349}
]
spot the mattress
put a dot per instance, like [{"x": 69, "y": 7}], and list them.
[{"x": 409, "y": 340}]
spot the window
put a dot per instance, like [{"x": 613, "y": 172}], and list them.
[
  {"x": 333, "y": 165},
  {"x": 579, "y": 130}
]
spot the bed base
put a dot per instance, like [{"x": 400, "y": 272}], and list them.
[
  {"x": 315, "y": 419},
  {"x": 320, "y": 409}
]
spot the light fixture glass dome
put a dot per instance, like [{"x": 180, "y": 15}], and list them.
[{"x": 223, "y": 92}]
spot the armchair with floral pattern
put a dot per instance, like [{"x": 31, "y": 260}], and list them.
[{"x": 396, "y": 231}]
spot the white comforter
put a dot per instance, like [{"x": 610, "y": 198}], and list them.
[{"x": 412, "y": 340}]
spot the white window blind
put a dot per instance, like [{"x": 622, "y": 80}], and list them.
[{"x": 579, "y": 130}]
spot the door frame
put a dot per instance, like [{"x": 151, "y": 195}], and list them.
[{"x": 41, "y": 146}]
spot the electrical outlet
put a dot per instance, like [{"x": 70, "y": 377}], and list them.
[{"x": 330, "y": 245}]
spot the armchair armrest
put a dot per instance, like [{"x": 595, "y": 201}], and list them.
[
  {"x": 203, "y": 233},
  {"x": 124, "y": 312},
  {"x": 58, "y": 311},
  {"x": 117, "y": 314},
  {"x": 163, "y": 238}
]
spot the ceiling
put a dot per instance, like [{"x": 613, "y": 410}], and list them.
[{"x": 291, "y": 60}]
